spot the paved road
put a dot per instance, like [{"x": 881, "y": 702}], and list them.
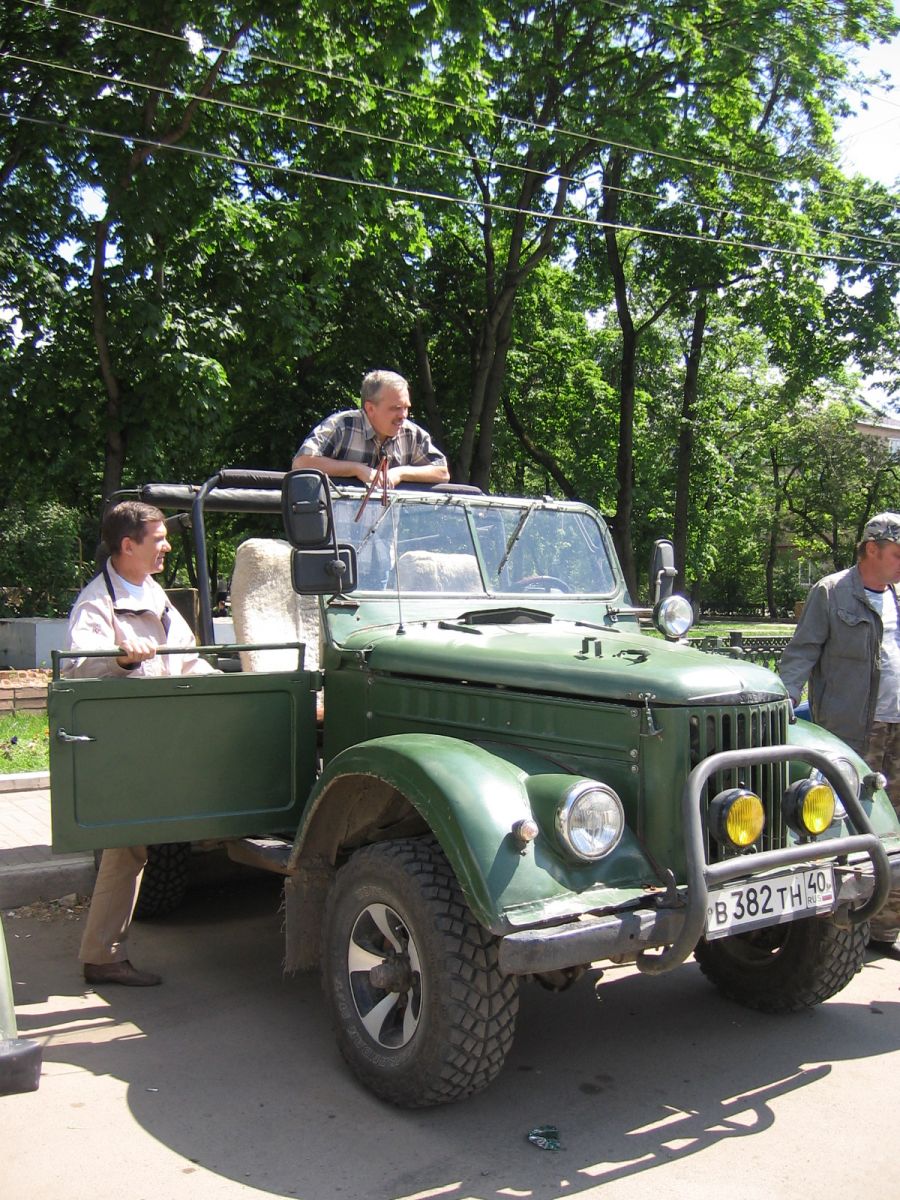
[{"x": 225, "y": 1083}]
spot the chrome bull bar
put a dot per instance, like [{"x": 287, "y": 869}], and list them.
[{"x": 701, "y": 875}]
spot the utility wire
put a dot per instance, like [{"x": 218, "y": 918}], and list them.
[
  {"x": 460, "y": 156},
  {"x": 629, "y": 11},
  {"x": 406, "y": 94},
  {"x": 440, "y": 197}
]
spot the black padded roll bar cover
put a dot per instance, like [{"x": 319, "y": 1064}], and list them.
[
  {"x": 248, "y": 477},
  {"x": 182, "y": 495}
]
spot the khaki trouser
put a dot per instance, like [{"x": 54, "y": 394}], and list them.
[
  {"x": 882, "y": 753},
  {"x": 112, "y": 903}
]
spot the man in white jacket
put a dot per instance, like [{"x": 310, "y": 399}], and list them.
[{"x": 124, "y": 608}]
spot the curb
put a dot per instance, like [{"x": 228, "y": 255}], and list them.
[
  {"x": 30, "y": 781},
  {"x": 51, "y": 877},
  {"x": 30, "y": 882}
]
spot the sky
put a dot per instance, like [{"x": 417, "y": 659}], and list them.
[{"x": 870, "y": 141}]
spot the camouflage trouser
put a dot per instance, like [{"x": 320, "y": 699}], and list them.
[{"x": 882, "y": 753}]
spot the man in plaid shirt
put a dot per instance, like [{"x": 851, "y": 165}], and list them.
[{"x": 351, "y": 444}]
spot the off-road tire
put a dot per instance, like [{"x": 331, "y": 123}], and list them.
[
  {"x": 784, "y": 968},
  {"x": 165, "y": 880},
  {"x": 453, "y": 1024}
]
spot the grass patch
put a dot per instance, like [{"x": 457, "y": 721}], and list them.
[{"x": 24, "y": 742}]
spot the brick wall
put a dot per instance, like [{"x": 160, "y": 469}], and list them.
[{"x": 23, "y": 691}]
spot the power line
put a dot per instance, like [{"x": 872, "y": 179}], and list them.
[
  {"x": 459, "y": 201},
  {"x": 460, "y": 156},
  {"x": 628, "y": 10},
  {"x": 406, "y": 94}
]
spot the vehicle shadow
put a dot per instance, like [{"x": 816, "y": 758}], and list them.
[{"x": 233, "y": 1067}]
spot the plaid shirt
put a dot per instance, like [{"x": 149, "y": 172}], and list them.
[{"x": 349, "y": 435}]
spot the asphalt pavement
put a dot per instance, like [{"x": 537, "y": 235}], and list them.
[
  {"x": 226, "y": 1083},
  {"x": 29, "y": 870}
]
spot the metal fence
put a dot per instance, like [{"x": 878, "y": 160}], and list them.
[{"x": 765, "y": 651}]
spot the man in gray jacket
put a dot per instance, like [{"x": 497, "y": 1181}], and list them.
[{"x": 847, "y": 645}]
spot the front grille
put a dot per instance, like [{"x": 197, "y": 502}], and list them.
[{"x": 743, "y": 728}]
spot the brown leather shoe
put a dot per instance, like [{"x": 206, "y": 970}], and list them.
[{"x": 120, "y": 972}]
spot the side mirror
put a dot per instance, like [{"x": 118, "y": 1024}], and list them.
[
  {"x": 662, "y": 571},
  {"x": 322, "y": 573},
  {"x": 306, "y": 510},
  {"x": 319, "y": 566}
]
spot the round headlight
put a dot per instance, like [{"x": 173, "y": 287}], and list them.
[
  {"x": 736, "y": 818},
  {"x": 808, "y": 807},
  {"x": 673, "y": 616},
  {"x": 590, "y": 820},
  {"x": 849, "y": 772}
]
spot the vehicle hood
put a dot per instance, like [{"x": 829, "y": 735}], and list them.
[{"x": 566, "y": 658}]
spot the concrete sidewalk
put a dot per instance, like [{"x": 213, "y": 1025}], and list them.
[{"x": 29, "y": 870}]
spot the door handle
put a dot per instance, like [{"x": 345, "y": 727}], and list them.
[{"x": 62, "y": 736}]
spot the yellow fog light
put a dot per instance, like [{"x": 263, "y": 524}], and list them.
[
  {"x": 808, "y": 807},
  {"x": 736, "y": 818}
]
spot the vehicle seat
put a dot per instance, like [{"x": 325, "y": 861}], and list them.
[
  {"x": 265, "y": 607},
  {"x": 425, "y": 571}
]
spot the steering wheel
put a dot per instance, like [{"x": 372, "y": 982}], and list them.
[{"x": 540, "y": 583}]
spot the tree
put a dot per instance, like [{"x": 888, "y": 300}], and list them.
[{"x": 163, "y": 199}]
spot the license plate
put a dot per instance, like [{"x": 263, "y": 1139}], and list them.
[{"x": 770, "y": 901}]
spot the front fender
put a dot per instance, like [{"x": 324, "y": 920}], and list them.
[
  {"x": 878, "y": 805},
  {"x": 470, "y": 796}
]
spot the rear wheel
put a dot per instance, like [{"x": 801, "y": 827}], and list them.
[
  {"x": 784, "y": 968},
  {"x": 422, "y": 1012},
  {"x": 165, "y": 880}
]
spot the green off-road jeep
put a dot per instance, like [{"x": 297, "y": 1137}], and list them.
[{"x": 510, "y": 778}]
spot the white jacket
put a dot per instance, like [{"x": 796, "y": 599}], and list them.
[{"x": 106, "y": 614}]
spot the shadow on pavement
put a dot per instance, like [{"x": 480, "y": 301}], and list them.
[{"x": 233, "y": 1067}]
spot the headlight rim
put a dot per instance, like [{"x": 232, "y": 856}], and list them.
[
  {"x": 664, "y": 616},
  {"x": 572, "y": 795},
  {"x": 717, "y": 817},
  {"x": 850, "y": 772},
  {"x": 792, "y": 806}
]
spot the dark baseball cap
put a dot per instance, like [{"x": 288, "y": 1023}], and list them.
[{"x": 884, "y": 527}]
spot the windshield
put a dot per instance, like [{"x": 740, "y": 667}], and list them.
[{"x": 463, "y": 548}]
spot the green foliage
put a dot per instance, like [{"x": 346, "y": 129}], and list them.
[
  {"x": 171, "y": 310},
  {"x": 41, "y": 566}
]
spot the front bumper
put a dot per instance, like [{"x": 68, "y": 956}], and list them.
[
  {"x": 594, "y": 938},
  {"x": 677, "y": 919}
]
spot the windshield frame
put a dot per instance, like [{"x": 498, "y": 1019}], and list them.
[{"x": 587, "y": 525}]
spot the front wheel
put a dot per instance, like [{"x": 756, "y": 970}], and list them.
[
  {"x": 784, "y": 968},
  {"x": 165, "y": 880},
  {"x": 422, "y": 1012}
]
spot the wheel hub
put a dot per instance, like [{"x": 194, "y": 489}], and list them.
[
  {"x": 385, "y": 976},
  {"x": 392, "y": 975}
]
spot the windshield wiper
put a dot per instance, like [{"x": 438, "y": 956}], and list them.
[
  {"x": 514, "y": 536},
  {"x": 384, "y": 512}
]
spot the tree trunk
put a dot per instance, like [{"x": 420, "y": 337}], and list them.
[
  {"x": 621, "y": 522},
  {"x": 480, "y": 474},
  {"x": 115, "y": 438},
  {"x": 774, "y": 529},
  {"x": 685, "y": 450},
  {"x": 424, "y": 396}
]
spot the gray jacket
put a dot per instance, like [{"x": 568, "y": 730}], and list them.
[{"x": 837, "y": 648}]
